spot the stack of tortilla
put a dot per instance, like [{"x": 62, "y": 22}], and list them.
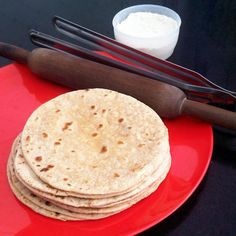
[{"x": 88, "y": 154}]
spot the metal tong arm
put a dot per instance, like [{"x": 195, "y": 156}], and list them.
[
  {"x": 48, "y": 41},
  {"x": 132, "y": 55},
  {"x": 44, "y": 40}
]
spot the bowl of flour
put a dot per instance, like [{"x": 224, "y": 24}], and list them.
[{"x": 152, "y": 29}]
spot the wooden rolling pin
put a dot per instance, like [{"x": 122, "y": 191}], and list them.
[{"x": 168, "y": 101}]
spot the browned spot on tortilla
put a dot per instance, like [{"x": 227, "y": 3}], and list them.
[
  {"x": 32, "y": 195},
  {"x": 72, "y": 150},
  {"x": 105, "y": 95},
  {"x": 136, "y": 167},
  {"x": 103, "y": 149},
  {"x": 116, "y": 175},
  {"x": 44, "y": 169},
  {"x": 129, "y": 127},
  {"x": 66, "y": 125},
  {"x": 47, "y": 168},
  {"x": 103, "y": 110},
  {"x": 92, "y": 107},
  {"x": 65, "y": 179},
  {"x": 120, "y": 142},
  {"x": 82, "y": 96},
  {"x": 27, "y": 138},
  {"x": 95, "y": 113},
  {"x": 38, "y": 158},
  {"x": 100, "y": 126},
  {"x": 141, "y": 145},
  {"x": 94, "y": 134},
  {"x": 69, "y": 184},
  {"x": 120, "y": 120},
  {"x": 21, "y": 156},
  {"x": 57, "y": 213},
  {"x": 57, "y": 143},
  {"x": 94, "y": 166},
  {"x": 45, "y": 135},
  {"x": 58, "y": 110},
  {"x": 38, "y": 165},
  {"x": 48, "y": 203},
  {"x": 87, "y": 90}
]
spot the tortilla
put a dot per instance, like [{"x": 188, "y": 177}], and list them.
[
  {"x": 30, "y": 180},
  {"x": 97, "y": 142},
  {"x": 119, "y": 206},
  {"x": 42, "y": 206},
  {"x": 89, "y": 154},
  {"x": 62, "y": 212}
]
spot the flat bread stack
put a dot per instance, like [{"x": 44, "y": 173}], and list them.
[{"x": 88, "y": 154}]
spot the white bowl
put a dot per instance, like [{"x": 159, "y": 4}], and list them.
[{"x": 161, "y": 46}]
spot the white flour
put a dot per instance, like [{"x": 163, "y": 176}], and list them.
[{"x": 147, "y": 24}]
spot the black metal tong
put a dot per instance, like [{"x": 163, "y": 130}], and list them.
[{"x": 195, "y": 86}]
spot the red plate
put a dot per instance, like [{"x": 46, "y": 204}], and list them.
[{"x": 191, "y": 148}]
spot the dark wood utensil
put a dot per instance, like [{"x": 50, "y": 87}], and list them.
[
  {"x": 195, "y": 86},
  {"x": 168, "y": 101}
]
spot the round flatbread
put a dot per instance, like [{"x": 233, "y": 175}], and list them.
[
  {"x": 94, "y": 142},
  {"x": 61, "y": 211},
  {"x": 118, "y": 207},
  {"x": 25, "y": 174},
  {"x": 43, "y": 206}
]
